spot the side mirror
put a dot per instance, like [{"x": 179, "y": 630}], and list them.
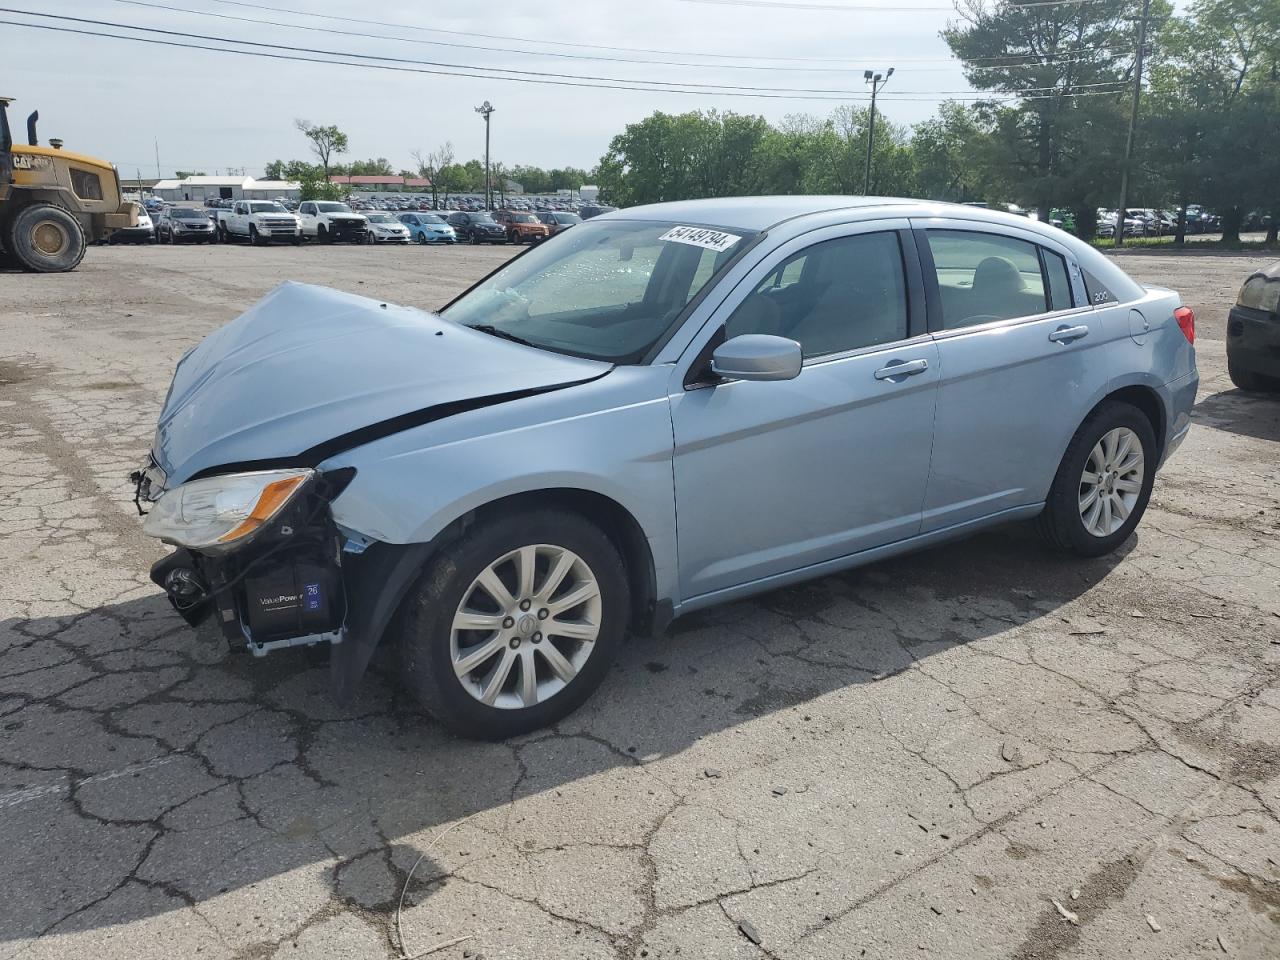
[{"x": 757, "y": 356}]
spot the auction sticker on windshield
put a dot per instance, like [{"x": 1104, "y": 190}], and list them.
[{"x": 716, "y": 240}]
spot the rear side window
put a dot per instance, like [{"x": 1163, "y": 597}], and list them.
[
  {"x": 984, "y": 277},
  {"x": 1055, "y": 271},
  {"x": 834, "y": 296}
]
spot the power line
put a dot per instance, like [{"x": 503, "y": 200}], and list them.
[
  {"x": 608, "y": 85},
  {"x": 573, "y": 56},
  {"x": 473, "y": 46},
  {"x": 292, "y": 48},
  {"x": 595, "y": 46}
]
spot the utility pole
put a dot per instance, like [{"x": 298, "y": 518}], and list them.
[
  {"x": 484, "y": 110},
  {"x": 877, "y": 81},
  {"x": 1133, "y": 121},
  {"x": 158, "y": 177}
]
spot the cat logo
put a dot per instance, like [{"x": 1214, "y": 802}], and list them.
[{"x": 24, "y": 162}]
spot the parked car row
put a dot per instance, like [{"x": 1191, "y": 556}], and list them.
[{"x": 333, "y": 221}]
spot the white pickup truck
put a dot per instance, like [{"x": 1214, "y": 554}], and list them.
[
  {"x": 331, "y": 220},
  {"x": 259, "y": 222}
]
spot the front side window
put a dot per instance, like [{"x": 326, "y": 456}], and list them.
[
  {"x": 609, "y": 292},
  {"x": 87, "y": 186},
  {"x": 838, "y": 295},
  {"x": 984, "y": 277}
]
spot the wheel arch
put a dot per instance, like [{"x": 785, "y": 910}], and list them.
[
  {"x": 616, "y": 522},
  {"x": 382, "y": 576},
  {"x": 1146, "y": 399}
]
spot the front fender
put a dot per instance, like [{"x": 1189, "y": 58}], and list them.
[{"x": 610, "y": 437}]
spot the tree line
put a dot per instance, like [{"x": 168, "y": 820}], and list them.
[{"x": 1208, "y": 129}]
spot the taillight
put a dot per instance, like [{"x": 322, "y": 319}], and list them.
[{"x": 1186, "y": 318}]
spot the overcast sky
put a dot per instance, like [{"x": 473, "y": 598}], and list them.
[{"x": 210, "y": 111}]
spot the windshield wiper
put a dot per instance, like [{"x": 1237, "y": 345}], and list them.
[{"x": 490, "y": 329}]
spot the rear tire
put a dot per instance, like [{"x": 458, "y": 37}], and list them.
[
  {"x": 1251, "y": 382},
  {"x": 431, "y": 641},
  {"x": 45, "y": 238},
  {"x": 1118, "y": 489}
]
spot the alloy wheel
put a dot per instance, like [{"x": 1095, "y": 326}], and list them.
[
  {"x": 1111, "y": 482},
  {"x": 526, "y": 626}
]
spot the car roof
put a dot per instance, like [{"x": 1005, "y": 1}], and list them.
[{"x": 761, "y": 213}]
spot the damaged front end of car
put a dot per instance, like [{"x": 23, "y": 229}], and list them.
[
  {"x": 240, "y": 478},
  {"x": 257, "y": 551}
]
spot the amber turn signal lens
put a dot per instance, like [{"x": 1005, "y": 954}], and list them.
[{"x": 273, "y": 497}]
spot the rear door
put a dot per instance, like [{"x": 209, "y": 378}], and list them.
[
  {"x": 774, "y": 477},
  {"x": 1021, "y": 359}
]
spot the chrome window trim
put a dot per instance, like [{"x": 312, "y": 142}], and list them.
[{"x": 1011, "y": 322}]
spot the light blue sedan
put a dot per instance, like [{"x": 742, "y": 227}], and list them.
[
  {"x": 428, "y": 228},
  {"x": 664, "y": 408}
]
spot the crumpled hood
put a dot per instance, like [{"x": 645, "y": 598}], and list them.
[{"x": 307, "y": 367}]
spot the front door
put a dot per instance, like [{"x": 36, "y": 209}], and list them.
[{"x": 772, "y": 477}]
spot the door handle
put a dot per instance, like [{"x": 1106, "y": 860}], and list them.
[
  {"x": 902, "y": 368},
  {"x": 1067, "y": 334}
]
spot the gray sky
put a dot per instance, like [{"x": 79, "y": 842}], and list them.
[{"x": 210, "y": 111}]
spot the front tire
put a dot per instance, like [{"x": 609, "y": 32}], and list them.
[
  {"x": 1103, "y": 483},
  {"x": 45, "y": 238},
  {"x": 513, "y": 628}
]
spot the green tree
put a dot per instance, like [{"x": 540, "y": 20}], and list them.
[
  {"x": 183, "y": 174},
  {"x": 665, "y": 157},
  {"x": 325, "y": 142},
  {"x": 430, "y": 166},
  {"x": 381, "y": 167},
  {"x": 1067, "y": 65},
  {"x": 953, "y": 154},
  {"x": 1215, "y": 101}
]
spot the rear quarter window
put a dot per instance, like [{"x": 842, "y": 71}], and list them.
[{"x": 1104, "y": 281}]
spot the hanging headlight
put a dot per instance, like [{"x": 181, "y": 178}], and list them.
[{"x": 218, "y": 512}]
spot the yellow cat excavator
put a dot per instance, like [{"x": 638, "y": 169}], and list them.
[{"x": 53, "y": 202}]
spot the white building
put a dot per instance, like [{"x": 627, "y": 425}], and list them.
[
  {"x": 272, "y": 189},
  {"x": 228, "y": 188}
]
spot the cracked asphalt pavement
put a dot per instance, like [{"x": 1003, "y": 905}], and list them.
[{"x": 915, "y": 759}]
